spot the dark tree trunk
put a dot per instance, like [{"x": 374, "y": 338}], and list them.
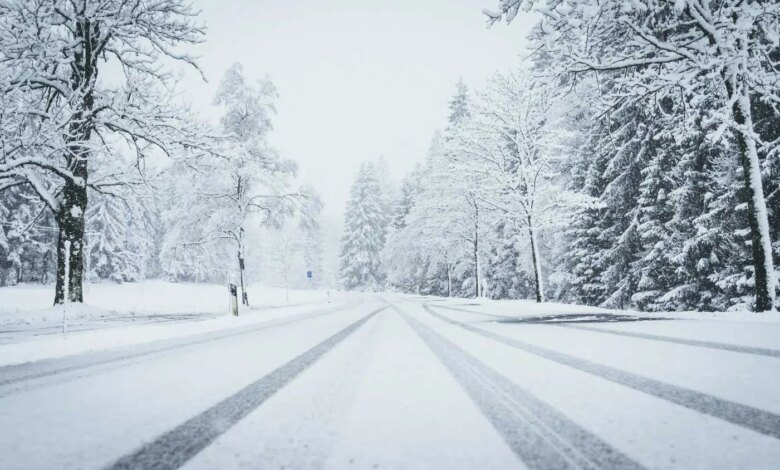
[
  {"x": 70, "y": 221},
  {"x": 73, "y": 202},
  {"x": 537, "y": 266},
  {"x": 244, "y": 294},
  {"x": 763, "y": 295}
]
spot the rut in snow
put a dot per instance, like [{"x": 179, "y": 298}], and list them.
[
  {"x": 749, "y": 417},
  {"x": 27, "y": 376},
  {"x": 174, "y": 448},
  {"x": 541, "y": 436}
]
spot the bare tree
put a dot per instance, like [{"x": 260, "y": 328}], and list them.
[
  {"x": 245, "y": 181},
  {"x": 286, "y": 250},
  {"x": 505, "y": 145}
]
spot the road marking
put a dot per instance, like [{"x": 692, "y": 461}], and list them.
[
  {"x": 542, "y": 437},
  {"x": 748, "y": 417},
  {"x": 174, "y": 448}
]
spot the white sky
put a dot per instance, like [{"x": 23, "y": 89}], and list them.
[{"x": 356, "y": 78}]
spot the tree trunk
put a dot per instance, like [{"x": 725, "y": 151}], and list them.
[
  {"x": 244, "y": 294},
  {"x": 240, "y": 193},
  {"x": 476, "y": 269},
  {"x": 449, "y": 281},
  {"x": 539, "y": 287},
  {"x": 476, "y": 251},
  {"x": 73, "y": 202},
  {"x": 758, "y": 218},
  {"x": 70, "y": 221}
]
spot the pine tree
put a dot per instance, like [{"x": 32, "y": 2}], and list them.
[
  {"x": 118, "y": 240},
  {"x": 27, "y": 232},
  {"x": 720, "y": 57},
  {"x": 460, "y": 105},
  {"x": 405, "y": 199},
  {"x": 504, "y": 276},
  {"x": 654, "y": 265},
  {"x": 698, "y": 248},
  {"x": 603, "y": 237},
  {"x": 108, "y": 254},
  {"x": 363, "y": 239}
]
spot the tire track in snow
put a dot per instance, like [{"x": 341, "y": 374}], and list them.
[
  {"x": 541, "y": 436},
  {"x": 748, "y": 417},
  {"x": 688, "y": 342},
  {"x": 21, "y": 334},
  {"x": 174, "y": 448},
  {"x": 649, "y": 336},
  {"x": 16, "y": 378},
  {"x": 300, "y": 426},
  {"x": 489, "y": 315}
]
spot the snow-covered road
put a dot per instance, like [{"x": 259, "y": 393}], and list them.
[{"x": 397, "y": 381}]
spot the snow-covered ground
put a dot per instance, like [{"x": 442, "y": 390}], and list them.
[
  {"x": 31, "y": 303},
  {"x": 29, "y": 306},
  {"x": 530, "y": 308},
  {"x": 394, "y": 381},
  {"x": 125, "y": 314}
]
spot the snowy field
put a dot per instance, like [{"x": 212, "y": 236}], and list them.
[
  {"x": 31, "y": 304},
  {"x": 124, "y": 314},
  {"x": 147, "y": 297},
  {"x": 390, "y": 381}
]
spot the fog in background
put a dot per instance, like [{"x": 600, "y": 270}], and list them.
[{"x": 356, "y": 79}]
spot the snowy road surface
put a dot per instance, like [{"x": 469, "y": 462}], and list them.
[{"x": 396, "y": 381}]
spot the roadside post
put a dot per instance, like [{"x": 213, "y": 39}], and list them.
[
  {"x": 66, "y": 291},
  {"x": 233, "y": 291}
]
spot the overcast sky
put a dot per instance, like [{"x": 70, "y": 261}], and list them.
[{"x": 356, "y": 78}]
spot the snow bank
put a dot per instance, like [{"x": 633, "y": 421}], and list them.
[
  {"x": 30, "y": 304},
  {"x": 125, "y": 334},
  {"x": 529, "y": 308}
]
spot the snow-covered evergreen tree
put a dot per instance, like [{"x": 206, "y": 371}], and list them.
[
  {"x": 720, "y": 54},
  {"x": 505, "y": 276},
  {"x": 460, "y": 105},
  {"x": 27, "y": 235},
  {"x": 116, "y": 242},
  {"x": 360, "y": 264}
]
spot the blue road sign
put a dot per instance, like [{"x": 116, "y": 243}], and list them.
[{"x": 308, "y": 274}]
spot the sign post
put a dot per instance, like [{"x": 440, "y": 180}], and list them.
[{"x": 233, "y": 291}]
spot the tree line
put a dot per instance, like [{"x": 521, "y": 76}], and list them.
[
  {"x": 106, "y": 174},
  {"x": 631, "y": 162}
]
